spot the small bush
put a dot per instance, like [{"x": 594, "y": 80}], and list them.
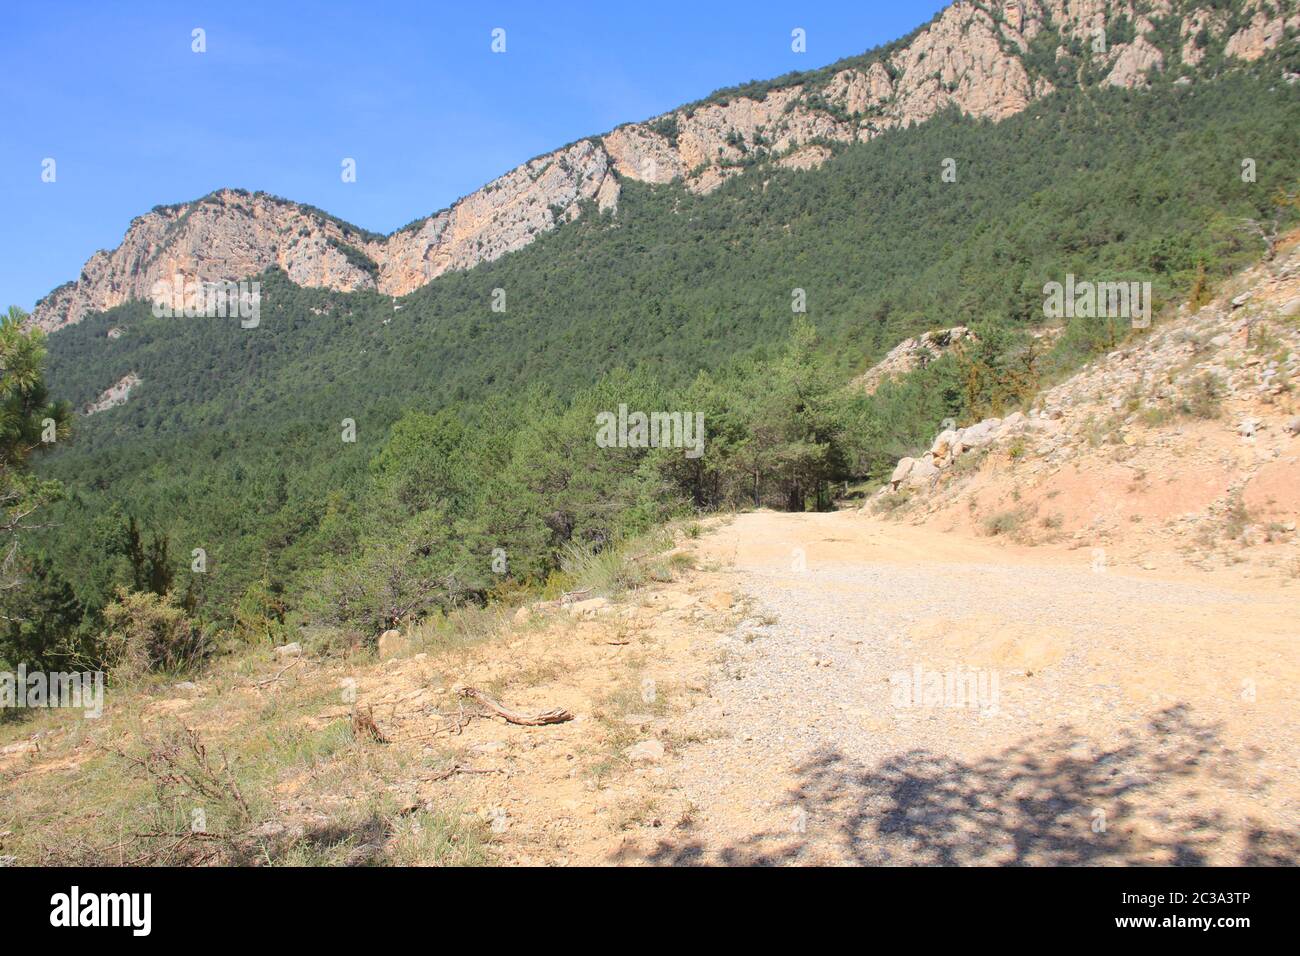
[
  {"x": 971, "y": 461},
  {"x": 1237, "y": 519},
  {"x": 403, "y": 575},
  {"x": 1203, "y": 397},
  {"x": 617, "y": 566},
  {"x": 1153, "y": 416},
  {"x": 1263, "y": 340},
  {"x": 259, "y": 615},
  {"x": 1105, "y": 431},
  {"x": 148, "y": 633},
  {"x": 892, "y": 501},
  {"x": 681, "y": 561},
  {"x": 1004, "y": 523},
  {"x": 606, "y": 571}
]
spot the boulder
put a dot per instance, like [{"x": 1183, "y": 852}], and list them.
[
  {"x": 943, "y": 443},
  {"x": 647, "y": 751},
  {"x": 289, "y": 650},
  {"x": 922, "y": 471},
  {"x": 901, "y": 470},
  {"x": 1291, "y": 308},
  {"x": 590, "y": 607},
  {"x": 981, "y": 434},
  {"x": 391, "y": 644}
]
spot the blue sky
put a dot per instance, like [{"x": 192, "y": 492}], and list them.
[{"x": 411, "y": 90}]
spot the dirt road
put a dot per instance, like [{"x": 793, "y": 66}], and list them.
[
  {"x": 817, "y": 689},
  {"x": 1106, "y": 717}
]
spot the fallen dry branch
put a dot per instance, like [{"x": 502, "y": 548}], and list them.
[
  {"x": 183, "y": 773},
  {"x": 556, "y": 715},
  {"x": 281, "y": 673},
  {"x": 172, "y": 847},
  {"x": 455, "y": 724},
  {"x": 364, "y": 726},
  {"x": 461, "y": 768}
]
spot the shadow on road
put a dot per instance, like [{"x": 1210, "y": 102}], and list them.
[{"x": 1047, "y": 801}]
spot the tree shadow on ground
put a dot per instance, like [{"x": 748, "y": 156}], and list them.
[{"x": 1054, "y": 800}]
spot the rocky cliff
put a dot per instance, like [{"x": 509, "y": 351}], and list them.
[
  {"x": 989, "y": 59},
  {"x": 911, "y": 354}
]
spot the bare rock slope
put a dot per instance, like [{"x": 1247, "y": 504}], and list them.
[{"x": 1181, "y": 446}]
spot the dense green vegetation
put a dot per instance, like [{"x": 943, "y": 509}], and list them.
[
  {"x": 38, "y": 610},
  {"x": 475, "y": 430}
]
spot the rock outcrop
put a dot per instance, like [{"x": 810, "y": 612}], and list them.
[
  {"x": 228, "y": 235},
  {"x": 911, "y": 354},
  {"x": 974, "y": 56},
  {"x": 1266, "y": 30},
  {"x": 503, "y": 216},
  {"x": 115, "y": 395},
  {"x": 951, "y": 443}
]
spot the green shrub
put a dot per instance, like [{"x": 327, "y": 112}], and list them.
[
  {"x": 1005, "y": 523},
  {"x": 259, "y": 616},
  {"x": 147, "y": 632},
  {"x": 1203, "y": 397},
  {"x": 892, "y": 501}
]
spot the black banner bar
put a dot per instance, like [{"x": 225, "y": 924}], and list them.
[{"x": 1219, "y": 905}]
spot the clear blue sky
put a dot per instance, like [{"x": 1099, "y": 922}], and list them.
[{"x": 285, "y": 91}]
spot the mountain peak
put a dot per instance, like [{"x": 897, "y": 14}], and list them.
[{"x": 987, "y": 59}]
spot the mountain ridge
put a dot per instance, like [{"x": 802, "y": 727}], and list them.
[{"x": 989, "y": 60}]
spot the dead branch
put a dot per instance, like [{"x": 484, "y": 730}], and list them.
[
  {"x": 457, "y": 722},
  {"x": 556, "y": 715},
  {"x": 181, "y": 764},
  {"x": 283, "y": 670},
  {"x": 363, "y": 725},
  {"x": 182, "y": 770},
  {"x": 461, "y": 768}
]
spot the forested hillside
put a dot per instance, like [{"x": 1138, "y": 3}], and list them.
[{"x": 474, "y": 428}]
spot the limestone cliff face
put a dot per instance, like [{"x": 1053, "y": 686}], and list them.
[
  {"x": 1267, "y": 29},
  {"x": 227, "y": 235},
  {"x": 503, "y": 216},
  {"x": 231, "y": 235},
  {"x": 113, "y": 396},
  {"x": 983, "y": 57}
]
